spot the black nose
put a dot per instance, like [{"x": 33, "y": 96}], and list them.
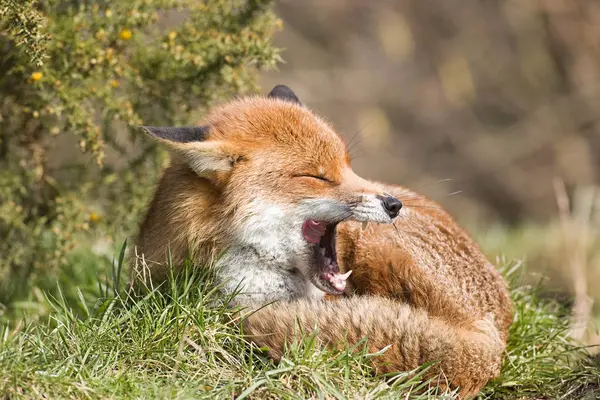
[{"x": 391, "y": 205}]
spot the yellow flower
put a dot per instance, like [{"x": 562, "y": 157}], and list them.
[
  {"x": 94, "y": 217},
  {"x": 114, "y": 83},
  {"x": 36, "y": 76},
  {"x": 172, "y": 35},
  {"x": 125, "y": 34}
]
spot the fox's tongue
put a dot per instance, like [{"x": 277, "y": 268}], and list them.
[{"x": 313, "y": 230}]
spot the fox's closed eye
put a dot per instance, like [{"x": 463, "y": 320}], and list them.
[{"x": 321, "y": 178}]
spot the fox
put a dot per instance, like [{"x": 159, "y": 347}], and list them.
[{"x": 263, "y": 188}]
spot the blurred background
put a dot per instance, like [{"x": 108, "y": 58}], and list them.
[{"x": 489, "y": 107}]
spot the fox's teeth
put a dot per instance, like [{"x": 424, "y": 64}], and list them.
[
  {"x": 364, "y": 225},
  {"x": 345, "y": 276}
]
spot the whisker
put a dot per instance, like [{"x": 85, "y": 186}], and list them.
[
  {"x": 406, "y": 222},
  {"x": 421, "y": 206},
  {"x": 357, "y": 156},
  {"x": 409, "y": 196},
  {"x": 354, "y": 158},
  {"x": 396, "y": 228},
  {"x": 356, "y": 135},
  {"x": 359, "y": 153},
  {"x": 412, "y": 221},
  {"x": 433, "y": 183},
  {"x": 352, "y": 146},
  {"x": 409, "y": 192},
  {"x": 443, "y": 180},
  {"x": 414, "y": 230}
]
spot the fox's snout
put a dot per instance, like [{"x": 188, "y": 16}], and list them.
[
  {"x": 373, "y": 205},
  {"x": 391, "y": 205}
]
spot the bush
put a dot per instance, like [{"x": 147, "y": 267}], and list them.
[{"x": 84, "y": 74}]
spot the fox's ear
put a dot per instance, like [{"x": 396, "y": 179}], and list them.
[
  {"x": 284, "y": 93},
  {"x": 208, "y": 158},
  {"x": 183, "y": 134}
]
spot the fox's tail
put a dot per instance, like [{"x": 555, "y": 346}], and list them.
[{"x": 468, "y": 353}]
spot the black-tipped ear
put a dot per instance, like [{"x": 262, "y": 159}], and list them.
[
  {"x": 284, "y": 93},
  {"x": 183, "y": 134}
]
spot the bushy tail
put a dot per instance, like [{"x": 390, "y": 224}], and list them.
[{"x": 468, "y": 353}]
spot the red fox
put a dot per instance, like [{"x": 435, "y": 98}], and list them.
[{"x": 268, "y": 184}]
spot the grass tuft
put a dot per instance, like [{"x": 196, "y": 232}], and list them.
[{"x": 180, "y": 341}]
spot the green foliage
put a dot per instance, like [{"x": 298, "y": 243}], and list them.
[
  {"x": 23, "y": 23},
  {"x": 180, "y": 342},
  {"x": 77, "y": 78},
  {"x": 541, "y": 360}
]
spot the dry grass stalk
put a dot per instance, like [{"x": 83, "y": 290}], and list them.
[{"x": 578, "y": 231}]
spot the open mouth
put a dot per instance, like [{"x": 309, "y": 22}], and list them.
[{"x": 322, "y": 235}]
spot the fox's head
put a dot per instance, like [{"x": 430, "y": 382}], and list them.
[{"x": 284, "y": 176}]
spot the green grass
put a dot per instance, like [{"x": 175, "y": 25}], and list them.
[{"x": 181, "y": 342}]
